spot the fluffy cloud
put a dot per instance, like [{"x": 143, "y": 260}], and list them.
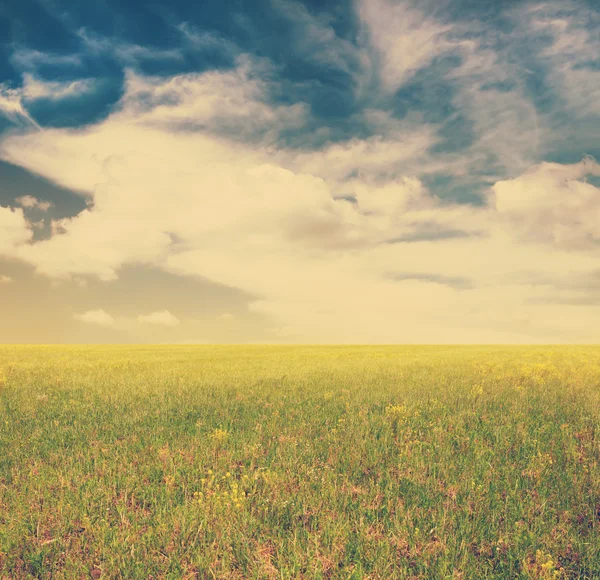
[
  {"x": 233, "y": 101},
  {"x": 5, "y": 279},
  {"x": 161, "y": 318},
  {"x": 98, "y": 317},
  {"x": 553, "y": 203},
  {"x": 335, "y": 245}
]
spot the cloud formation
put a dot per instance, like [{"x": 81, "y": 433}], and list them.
[
  {"x": 553, "y": 203},
  {"x": 160, "y": 317},
  {"x": 13, "y": 230},
  {"x": 33, "y": 88},
  {"x": 98, "y": 317},
  {"x": 345, "y": 239},
  {"x": 405, "y": 38},
  {"x": 31, "y": 202},
  {"x": 11, "y": 106}
]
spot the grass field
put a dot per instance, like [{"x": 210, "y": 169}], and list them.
[{"x": 299, "y": 462}]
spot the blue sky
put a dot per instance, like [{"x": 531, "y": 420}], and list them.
[{"x": 356, "y": 171}]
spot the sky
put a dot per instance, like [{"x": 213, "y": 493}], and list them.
[{"x": 300, "y": 171}]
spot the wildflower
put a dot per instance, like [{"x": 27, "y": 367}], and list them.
[
  {"x": 543, "y": 567},
  {"x": 396, "y": 414},
  {"x": 219, "y": 435}
]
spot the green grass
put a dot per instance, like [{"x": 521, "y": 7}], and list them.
[{"x": 299, "y": 462}]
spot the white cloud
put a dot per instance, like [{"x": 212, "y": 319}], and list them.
[
  {"x": 11, "y": 106},
  {"x": 505, "y": 124},
  {"x": 28, "y": 59},
  {"x": 13, "y": 101},
  {"x": 508, "y": 134},
  {"x": 5, "y": 279},
  {"x": 572, "y": 57},
  {"x": 553, "y": 203},
  {"x": 128, "y": 54},
  {"x": 390, "y": 263},
  {"x": 31, "y": 202},
  {"x": 13, "y": 231},
  {"x": 374, "y": 156},
  {"x": 34, "y": 88},
  {"x": 406, "y": 38},
  {"x": 98, "y": 317},
  {"x": 232, "y": 100},
  {"x": 161, "y": 317}
]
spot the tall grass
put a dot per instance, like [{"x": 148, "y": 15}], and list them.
[{"x": 299, "y": 462}]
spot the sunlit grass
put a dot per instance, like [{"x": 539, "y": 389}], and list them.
[{"x": 299, "y": 462}]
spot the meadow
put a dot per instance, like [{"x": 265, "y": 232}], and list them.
[{"x": 256, "y": 462}]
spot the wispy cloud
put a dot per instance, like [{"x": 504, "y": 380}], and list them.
[
  {"x": 128, "y": 53},
  {"x": 405, "y": 38},
  {"x": 11, "y": 106},
  {"x": 30, "y": 59},
  {"x": 572, "y": 57},
  {"x": 34, "y": 88},
  {"x": 231, "y": 102},
  {"x": 14, "y": 102},
  {"x": 315, "y": 39}
]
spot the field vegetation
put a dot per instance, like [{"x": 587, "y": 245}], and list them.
[{"x": 256, "y": 462}]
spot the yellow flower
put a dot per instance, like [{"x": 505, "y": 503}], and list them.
[{"x": 219, "y": 435}]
